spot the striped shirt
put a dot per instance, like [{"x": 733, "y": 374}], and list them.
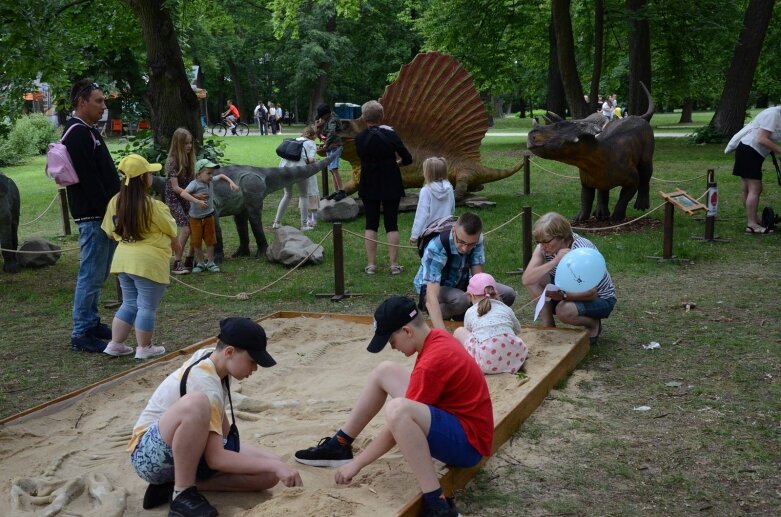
[{"x": 605, "y": 288}]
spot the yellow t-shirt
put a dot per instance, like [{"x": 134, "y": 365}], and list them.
[{"x": 149, "y": 257}]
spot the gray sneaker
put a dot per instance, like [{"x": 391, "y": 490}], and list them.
[
  {"x": 200, "y": 267},
  {"x": 211, "y": 266}
]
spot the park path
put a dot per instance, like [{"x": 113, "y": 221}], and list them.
[{"x": 663, "y": 134}]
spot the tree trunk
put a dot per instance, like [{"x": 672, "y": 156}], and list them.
[
  {"x": 639, "y": 56},
  {"x": 557, "y": 101},
  {"x": 318, "y": 92},
  {"x": 171, "y": 99},
  {"x": 731, "y": 112},
  {"x": 599, "y": 45},
  {"x": 686, "y": 112},
  {"x": 565, "y": 52},
  {"x": 238, "y": 99}
]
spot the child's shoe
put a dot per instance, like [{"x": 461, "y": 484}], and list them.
[
  {"x": 200, "y": 267},
  {"x": 189, "y": 262},
  {"x": 147, "y": 352},
  {"x": 179, "y": 268},
  {"x": 325, "y": 455},
  {"x": 275, "y": 225},
  {"x": 440, "y": 511},
  {"x": 191, "y": 502},
  {"x": 117, "y": 349},
  {"x": 212, "y": 267}
]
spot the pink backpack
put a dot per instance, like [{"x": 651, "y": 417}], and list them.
[{"x": 59, "y": 166}]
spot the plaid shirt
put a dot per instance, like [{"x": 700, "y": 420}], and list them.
[
  {"x": 432, "y": 264},
  {"x": 331, "y": 130}
]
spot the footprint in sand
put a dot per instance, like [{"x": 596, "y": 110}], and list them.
[{"x": 50, "y": 497}]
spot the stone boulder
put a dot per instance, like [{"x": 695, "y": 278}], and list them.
[
  {"x": 334, "y": 211},
  {"x": 48, "y": 255},
  {"x": 291, "y": 246}
]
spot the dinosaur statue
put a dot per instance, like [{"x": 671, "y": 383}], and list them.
[
  {"x": 436, "y": 110},
  {"x": 246, "y": 205},
  {"x": 618, "y": 155},
  {"x": 9, "y": 222}
]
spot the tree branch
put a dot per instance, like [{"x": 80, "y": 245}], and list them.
[{"x": 68, "y": 6}]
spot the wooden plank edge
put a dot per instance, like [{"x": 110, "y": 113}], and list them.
[{"x": 456, "y": 478}]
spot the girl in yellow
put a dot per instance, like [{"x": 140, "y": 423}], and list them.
[{"x": 146, "y": 233}]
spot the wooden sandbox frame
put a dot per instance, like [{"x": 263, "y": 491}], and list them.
[{"x": 453, "y": 478}]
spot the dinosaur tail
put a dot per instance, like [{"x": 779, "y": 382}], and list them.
[
  {"x": 482, "y": 175},
  {"x": 651, "y": 108}
]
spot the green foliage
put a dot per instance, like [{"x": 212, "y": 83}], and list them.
[
  {"x": 29, "y": 137},
  {"x": 143, "y": 144},
  {"x": 707, "y": 135},
  {"x": 214, "y": 150}
]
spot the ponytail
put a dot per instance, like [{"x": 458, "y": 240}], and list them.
[{"x": 484, "y": 307}]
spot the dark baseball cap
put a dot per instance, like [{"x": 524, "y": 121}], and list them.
[
  {"x": 247, "y": 335},
  {"x": 323, "y": 109},
  {"x": 390, "y": 316}
]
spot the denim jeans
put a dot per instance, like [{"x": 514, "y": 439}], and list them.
[
  {"x": 140, "y": 299},
  {"x": 97, "y": 251}
]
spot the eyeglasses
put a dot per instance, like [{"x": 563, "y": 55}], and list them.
[
  {"x": 546, "y": 242},
  {"x": 461, "y": 242},
  {"x": 89, "y": 87}
]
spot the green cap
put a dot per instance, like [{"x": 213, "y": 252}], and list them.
[{"x": 203, "y": 163}]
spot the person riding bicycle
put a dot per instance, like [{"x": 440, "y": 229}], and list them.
[{"x": 231, "y": 115}]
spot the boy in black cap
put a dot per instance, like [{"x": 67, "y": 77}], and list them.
[
  {"x": 328, "y": 126},
  {"x": 183, "y": 440},
  {"x": 441, "y": 410}
]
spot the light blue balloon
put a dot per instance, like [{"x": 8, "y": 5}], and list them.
[{"x": 580, "y": 270}]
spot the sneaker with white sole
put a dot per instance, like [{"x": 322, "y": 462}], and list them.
[
  {"x": 325, "y": 455},
  {"x": 276, "y": 226},
  {"x": 212, "y": 267},
  {"x": 179, "y": 269},
  {"x": 147, "y": 352},
  {"x": 200, "y": 267},
  {"x": 117, "y": 349}
]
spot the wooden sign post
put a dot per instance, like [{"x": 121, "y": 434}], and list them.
[{"x": 683, "y": 201}]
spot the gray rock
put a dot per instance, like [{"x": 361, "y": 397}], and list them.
[
  {"x": 48, "y": 256},
  {"x": 291, "y": 246},
  {"x": 344, "y": 210}
]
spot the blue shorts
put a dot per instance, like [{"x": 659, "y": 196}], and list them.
[
  {"x": 597, "y": 308},
  {"x": 333, "y": 157},
  {"x": 447, "y": 440},
  {"x": 152, "y": 458}
]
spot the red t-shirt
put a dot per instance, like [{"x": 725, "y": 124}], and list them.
[
  {"x": 234, "y": 110},
  {"x": 446, "y": 376}
]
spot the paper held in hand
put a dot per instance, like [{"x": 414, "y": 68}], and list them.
[{"x": 544, "y": 298}]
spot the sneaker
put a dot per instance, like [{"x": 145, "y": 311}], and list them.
[
  {"x": 340, "y": 194},
  {"x": 211, "y": 266},
  {"x": 157, "y": 495},
  {"x": 117, "y": 349},
  {"x": 275, "y": 226},
  {"x": 147, "y": 352},
  {"x": 179, "y": 268},
  {"x": 324, "y": 455},
  {"x": 87, "y": 344},
  {"x": 199, "y": 268},
  {"x": 189, "y": 262},
  {"x": 100, "y": 331},
  {"x": 439, "y": 511},
  {"x": 306, "y": 227},
  {"x": 191, "y": 503}
]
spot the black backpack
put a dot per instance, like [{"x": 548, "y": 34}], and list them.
[
  {"x": 290, "y": 149},
  {"x": 441, "y": 227}
]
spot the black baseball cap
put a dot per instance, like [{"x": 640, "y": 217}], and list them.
[
  {"x": 247, "y": 335},
  {"x": 390, "y": 316}
]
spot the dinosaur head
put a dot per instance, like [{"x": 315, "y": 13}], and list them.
[{"x": 562, "y": 139}]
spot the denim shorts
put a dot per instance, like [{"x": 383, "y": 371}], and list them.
[
  {"x": 333, "y": 157},
  {"x": 447, "y": 440},
  {"x": 152, "y": 458},
  {"x": 597, "y": 308}
]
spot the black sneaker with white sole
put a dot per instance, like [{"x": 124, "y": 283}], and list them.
[
  {"x": 191, "y": 503},
  {"x": 325, "y": 455}
]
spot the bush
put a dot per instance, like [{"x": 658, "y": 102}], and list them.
[
  {"x": 29, "y": 136},
  {"x": 707, "y": 135},
  {"x": 144, "y": 144}
]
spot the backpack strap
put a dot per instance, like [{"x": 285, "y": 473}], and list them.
[{"x": 94, "y": 141}]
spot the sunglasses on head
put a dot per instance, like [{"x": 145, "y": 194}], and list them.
[{"x": 87, "y": 88}]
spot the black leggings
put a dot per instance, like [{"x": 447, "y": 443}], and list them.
[{"x": 390, "y": 213}]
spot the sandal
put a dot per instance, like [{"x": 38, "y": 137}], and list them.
[
  {"x": 396, "y": 270},
  {"x": 370, "y": 269},
  {"x": 758, "y": 231}
]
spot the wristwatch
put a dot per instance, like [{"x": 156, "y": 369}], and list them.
[{"x": 563, "y": 294}]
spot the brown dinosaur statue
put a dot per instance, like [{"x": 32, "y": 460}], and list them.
[
  {"x": 619, "y": 154},
  {"x": 435, "y": 109}
]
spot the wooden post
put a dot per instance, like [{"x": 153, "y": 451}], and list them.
[
  {"x": 339, "y": 292},
  {"x": 325, "y": 183},
  {"x": 526, "y": 174},
  {"x": 526, "y": 231},
  {"x": 667, "y": 245},
  {"x": 66, "y": 221},
  {"x": 710, "y": 218}
]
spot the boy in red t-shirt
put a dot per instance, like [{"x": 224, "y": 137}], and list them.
[{"x": 441, "y": 410}]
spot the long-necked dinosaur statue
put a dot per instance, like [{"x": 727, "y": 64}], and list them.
[
  {"x": 436, "y": 110},
  {"x": 618, "y": 155}
]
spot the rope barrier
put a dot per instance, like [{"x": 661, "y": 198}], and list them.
[
  {"x": 44, "y": 212},
  {"x": 554, "y": 173},
  {"x": 679, "y": 181},
  {"x": 652, "y": 177},
  {"x": 41, "y": 251},
  {"x": 246, "y": 296}
]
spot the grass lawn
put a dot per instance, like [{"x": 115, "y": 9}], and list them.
[{"x": 710, "y": 441}]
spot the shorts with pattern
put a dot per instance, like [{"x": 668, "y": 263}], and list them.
[
  {"x": 153, "y": 459},
  {"x": 504, "y": 353}
]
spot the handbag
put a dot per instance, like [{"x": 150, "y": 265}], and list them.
[{"x": 232, "y": 441}]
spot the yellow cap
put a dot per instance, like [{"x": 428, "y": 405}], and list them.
[{"x": 134, "y": 165}]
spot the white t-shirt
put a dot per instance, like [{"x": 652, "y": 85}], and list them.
[
  {"x": 769, "y": 120},
  {"x": 202, "y": 378},
  {"x": 499, "y": 320}
]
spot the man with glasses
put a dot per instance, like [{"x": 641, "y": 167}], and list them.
[
  {"x": 87, "y": 200},
  {"x": 445, "y": 271}
]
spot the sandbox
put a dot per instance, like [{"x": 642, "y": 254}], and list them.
[{"x": 69, "y": 458}]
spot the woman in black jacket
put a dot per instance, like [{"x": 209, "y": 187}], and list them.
[{"x": 381, "y": 152}]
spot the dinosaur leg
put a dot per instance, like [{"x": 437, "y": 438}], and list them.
[
  {"x": 460, "y": 189},
  {"x": 619, "y": 212},
  {"x": 603, "y": 199},
  {"x": 241, "y": 229},
  {"x": 645, "y": 169},
  {"x": 256, "y": 224},
  {"x": 219, "y": 249},
  {"x": 586, "y": 200}
]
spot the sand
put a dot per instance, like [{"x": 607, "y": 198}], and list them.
[{"x": 70, "y": 460}]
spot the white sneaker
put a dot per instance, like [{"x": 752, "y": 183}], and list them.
[
  {"x": 117, "y": 349},
  {"x": 306, "y": 227},
  {"x": 275, "y": 226},
  {"x": 147, "y": 352}
]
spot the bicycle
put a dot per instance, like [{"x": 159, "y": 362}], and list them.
[{"x": 221, "y": 128}]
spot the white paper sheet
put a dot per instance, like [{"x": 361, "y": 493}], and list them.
[{"x": 544, "y": 298}]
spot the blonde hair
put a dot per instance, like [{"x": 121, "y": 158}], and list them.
[
  {"x": 309, "y": 132},
  {"x": 484, "y": 305},
  {"x": 372, "y": 112},
  {"x": 552, "y": 225},
  {"x": 434, "y": 169},
  {"x": 184, "y": 161}
]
